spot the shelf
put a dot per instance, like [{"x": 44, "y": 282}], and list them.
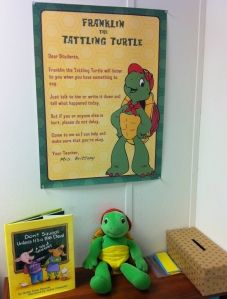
[{"x": 171, "y": 287}]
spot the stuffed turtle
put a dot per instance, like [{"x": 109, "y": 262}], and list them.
[
  {"x": 110, "y": 252},
  {"x": 135, "y": 121}
]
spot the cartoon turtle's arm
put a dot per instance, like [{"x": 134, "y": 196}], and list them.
[
  {"x": 115, "y": 119},
  {"x": 145, "y": 124},
  {"x": 136, "y": 255},
  {"x": 95, "y": 249}
]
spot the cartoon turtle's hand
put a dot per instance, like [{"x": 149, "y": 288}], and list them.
[
  {"x": 90, "y": 263},
  {"x": 141, "y": 264},
  {"x": 141, "y": 133}
]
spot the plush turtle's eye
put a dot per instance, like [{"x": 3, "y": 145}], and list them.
[
  {"x": 141, "y": 82},
  {"x": 123, "y": 220},
  {"x": 105, "y": 221}
]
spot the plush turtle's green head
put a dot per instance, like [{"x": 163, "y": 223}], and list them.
[
  {"x": 138, "y": 83},
  {"x": 115, "y": 224}
]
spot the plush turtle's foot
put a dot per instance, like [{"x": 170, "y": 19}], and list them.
[
  {"x": 116, "y": 171},
  {"x": 100, "y": 285},
  {"x": 101, "y": 281},
  {"x": 144, "y": 170},
  {"x": 136, "y": 277}
]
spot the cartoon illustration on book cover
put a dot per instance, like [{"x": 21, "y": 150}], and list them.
[
  {"x": 135, "y": 121},
  {"x": 32, "y": 266},
  {"x": 41, "y": 256},
  {"x": 53, "y": 262},
  {"x": 35, "y": 267}
]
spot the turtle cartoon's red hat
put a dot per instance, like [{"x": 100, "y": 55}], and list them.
[
  {"x": 117, "y": 210},
  {"x": 135, "y": 67}
]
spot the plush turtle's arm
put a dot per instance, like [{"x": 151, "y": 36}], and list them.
[
  {"x": 134, "y": 250},
  {"x": 137, "y": 256},
  {"x": 95, "y": 249}
]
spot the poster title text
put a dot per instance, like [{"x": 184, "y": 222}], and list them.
[{"x": 102, "y": 25}]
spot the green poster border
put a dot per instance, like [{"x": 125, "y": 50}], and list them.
[{"x": 38, "y": 8}]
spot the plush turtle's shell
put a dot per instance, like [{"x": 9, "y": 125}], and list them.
[{"x": 129, "y": 123}]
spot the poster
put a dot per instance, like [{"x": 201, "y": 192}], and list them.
[{"x": 100, "y": 91}]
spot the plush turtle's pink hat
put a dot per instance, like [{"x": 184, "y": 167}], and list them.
[
  {"x": 117, "y": 210},
  {"x": 135, "y": 67}
]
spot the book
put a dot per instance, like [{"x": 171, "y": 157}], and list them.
[
  {"x": 155, "y": 267},
  {"x": 54, "y": 212},
  {"x": 40, "y": 255},
  {"x": 166, "y": 263}
]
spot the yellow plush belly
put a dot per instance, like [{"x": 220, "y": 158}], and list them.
[
  {"x": 115, "y": 255},
  {"x": 129, "y": 124}
]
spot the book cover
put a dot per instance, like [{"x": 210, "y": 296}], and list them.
[
  {"x": 40, "y": 256},
  {"x": 155, "y": 267},
  {"x": 166, "y": 263}
]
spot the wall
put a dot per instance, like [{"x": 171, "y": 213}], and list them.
[
  {"x": 154, "y": 206},
  {"x": 212, "y": 192}
]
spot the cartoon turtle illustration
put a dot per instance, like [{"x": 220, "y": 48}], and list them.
[{"x": 135, "y": 121}]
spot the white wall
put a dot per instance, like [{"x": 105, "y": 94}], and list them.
[
  {"x": 154, "y": 206},
  {"x": 212, "y": 192}
]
